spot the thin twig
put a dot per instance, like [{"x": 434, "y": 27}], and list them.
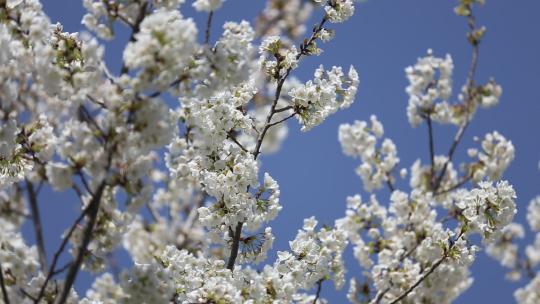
[
  {"x": 153, "y": 213},
  {"x": 233, "y": 138},
  {"x": 454, "y": 187},
  {"x": 431, "y": 150},
  {"x": 208, "y": 28},
  {"x": 389, "y": 183},
  {"x": 36, "y": 220},
  {"x": 3, "y": 285},
  {"x": 58, "y": 252},
  {"x": 283, "y": 109},
  {"x": 380, "y": 296},
  {"x": 85, "y": 182},
  {"x": 470, "y": 85},
  {"x": 281, "y": 120},
  {"x": 62, "y": 269},
  {"x": 318, "y": 293}
]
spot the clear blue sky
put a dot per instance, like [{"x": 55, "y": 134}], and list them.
[{"x": 382, "y": 38}]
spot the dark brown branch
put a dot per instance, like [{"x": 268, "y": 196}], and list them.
[
  {"x": 431, "y": 150},
  {"x": 26, "y": 294},
  {"x": 380, "y": 296},
  {"x": 208, "y": 28},
  {"x": 3, "y": 285},
  {"x": 389, "y": 183},
  {"x": 58, "y": 252},
  {"x": 62, "y": 269},
  {"x": 235, "y": 246},
  {"x": 85, "y": 182},
  {"x": 318, "y": 293},
  {"x": 233, "y": 138},
  {"x": 281, "y": 120},
  {"x": 36, "y": 220},
  {"x": 135, "y": 28},
  {"x": 93, "y": 208},
  {"x": 284, "y": 109},
  {"x": 454, "y": 187}
]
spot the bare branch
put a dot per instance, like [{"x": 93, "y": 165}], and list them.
[
  {"x": 93, "y": 208},
  {"x": 36, "y": 220},
  {"x": 3, "y": 285},
  {"x": 431, "y": 150},
  {"x": 208, "y": 28},
  {"x": 235, "y": 246},
  {"x": 58, "y": 252},
  {"x": 456, "y": 186},
  {"x": 318, "y": 293}
]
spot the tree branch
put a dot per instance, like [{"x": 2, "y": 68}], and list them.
[
  {"x": 318, "y": 293},
  {"x": 93, "y": 209},
  {"x": 3, "y": 285},
  {"x": 208, "y": 28},
  {"x": 58, "y": 252},
  {"x": 431, "y": 150},
  {"x": 36, "y": 220},
  {"x": 470, "y": 85},
  {"x": 303, "y": 51},
  {"x": 429, "y": 272},
  {"x": 235, "y": 246},
  {"x": 454, "y": 187},
  {"x": 135, "y": 28}
]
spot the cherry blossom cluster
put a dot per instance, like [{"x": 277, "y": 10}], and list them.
[
  {"x": 360, "y": 140},
  {"x": 328, "y": 92},
  {"x": 162, "y": 160},
  {"x": 521, "y": 261}
]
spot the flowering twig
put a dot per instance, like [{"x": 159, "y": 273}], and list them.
[
  {"x": 303, "y": 51},
  {"x": 470, "y": 84},
  {"x": 429, "y": 271}
]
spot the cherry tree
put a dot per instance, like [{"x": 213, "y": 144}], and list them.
[{"x": 198, "y": 229}]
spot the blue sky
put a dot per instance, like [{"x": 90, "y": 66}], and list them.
[{"x": 382, "y": 38}]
